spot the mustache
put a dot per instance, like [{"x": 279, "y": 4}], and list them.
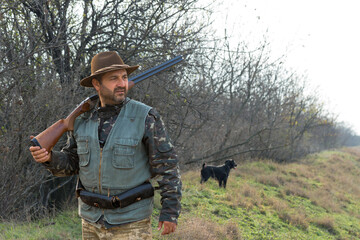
[{"x": 120, "y": 89}]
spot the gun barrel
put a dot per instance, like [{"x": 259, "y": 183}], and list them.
[{"x": 156, "y": 69}]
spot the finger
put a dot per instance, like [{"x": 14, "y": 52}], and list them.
[
  {"x": 39, "y": 153},
  {"x": 160, "y": 225},
  {"x": 41, "y": 157},
  {"x": 31, "y": 137},
  {"x": 42, "y": 160},
  {"x": 33, "y": 149}
]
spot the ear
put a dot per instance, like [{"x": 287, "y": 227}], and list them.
[{"x": 96, "y": 84}]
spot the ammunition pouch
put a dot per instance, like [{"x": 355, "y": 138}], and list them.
[{"x": 121, "y": 200}]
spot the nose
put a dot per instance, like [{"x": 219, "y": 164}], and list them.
[{"x": 120, "y": 83}]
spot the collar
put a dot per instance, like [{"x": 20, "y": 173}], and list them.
[{"x": 108, "y": 111}]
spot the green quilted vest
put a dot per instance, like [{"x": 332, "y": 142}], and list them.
[{"x": 122, "y": 164}]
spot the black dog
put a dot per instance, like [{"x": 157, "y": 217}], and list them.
[{"x": 220, "y": 173}]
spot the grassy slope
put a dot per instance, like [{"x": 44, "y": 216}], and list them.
[{"x": 315, "y": 198}]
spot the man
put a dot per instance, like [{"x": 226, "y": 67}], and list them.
[{"x": 115, "y": 147}]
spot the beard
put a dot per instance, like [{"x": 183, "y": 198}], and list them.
[{"x": 113, "y": 97}]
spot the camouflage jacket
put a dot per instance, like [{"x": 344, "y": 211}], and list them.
[{"x": 164, "y": 165}]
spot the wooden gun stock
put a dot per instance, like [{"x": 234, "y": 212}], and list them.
[{"x": 50, "y": 136}]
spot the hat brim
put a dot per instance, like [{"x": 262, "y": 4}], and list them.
[{"x": 87, "y": 82}]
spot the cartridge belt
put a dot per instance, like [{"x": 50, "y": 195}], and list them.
[{"x": 121, "y": 200}]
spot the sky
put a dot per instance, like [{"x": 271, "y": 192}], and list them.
[{"x": 320, "y": 38}]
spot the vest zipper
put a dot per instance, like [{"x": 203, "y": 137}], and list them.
[{"x": 100, "y": 170}]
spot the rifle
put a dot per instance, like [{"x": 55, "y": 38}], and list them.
[{"x": 50, "y": 136}]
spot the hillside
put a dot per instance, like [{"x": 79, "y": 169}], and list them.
[{"x": 315, "y": 198}]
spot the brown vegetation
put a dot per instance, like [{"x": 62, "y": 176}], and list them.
[
  {"x": 295, "y": 218},
  {"x": 277, "y": 204},
  {"x": 202, "y": 229},
  {"x": 326, "y": 222}
]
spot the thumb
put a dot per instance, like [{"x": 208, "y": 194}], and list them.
[
  {"x": 160, "y": 225},
  {"x": 31, "y": 136}
]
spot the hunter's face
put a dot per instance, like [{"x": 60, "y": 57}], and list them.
[{"x": 113, "y": 87}]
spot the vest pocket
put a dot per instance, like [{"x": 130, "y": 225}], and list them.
[
  {"x": 83, "y": 151},
  {"x": 124, "y": 151}
]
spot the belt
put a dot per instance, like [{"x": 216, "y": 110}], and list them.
[{"x": 121, "y": 200}]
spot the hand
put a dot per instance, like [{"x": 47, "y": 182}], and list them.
[
  {"x": 169, "y": 227},
  {"x": 40, "y": 155}
]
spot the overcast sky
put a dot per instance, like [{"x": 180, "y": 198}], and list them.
[{"x": 320, "y": 38}]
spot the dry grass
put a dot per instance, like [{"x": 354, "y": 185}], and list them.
[
  {"x": 326, "y": 199},
  {"x": 201, "y": 229},
  {"x": 351, "y": 186},
  {"x": 251, "y": 194},
  {"x": 232, "y": 231},
  {"x": 353, "y": 150},
  {"x": 249, "y": 171},
  {"x": 296, "y": 218},
  {"x": 277, "y": 204},
  {"x": 249, "y": 191},
  {"x": 296, "y": 189},
  {"x": 247, "y": 197},
  {"x": 326, "y": 222},
  {"x": 271, "y": 180}
]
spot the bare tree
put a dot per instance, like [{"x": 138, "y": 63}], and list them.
[{"x": 46, "y": 47}]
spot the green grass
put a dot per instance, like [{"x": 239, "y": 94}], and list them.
[
  {"x": 317, "y": 197},
  {"x": 66, "y": 225}
]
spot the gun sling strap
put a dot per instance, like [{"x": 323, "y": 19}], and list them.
[{"x": 121, "y": 200}]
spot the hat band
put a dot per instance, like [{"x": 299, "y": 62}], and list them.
[{"x": 111, "y": 67}]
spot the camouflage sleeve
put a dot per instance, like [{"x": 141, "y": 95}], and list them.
[
  {"x": 164, "y": 165},
  {"x": 64, "y": 162}
]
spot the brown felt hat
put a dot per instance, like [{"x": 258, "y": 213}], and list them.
[{"x": 104, "y": 62}]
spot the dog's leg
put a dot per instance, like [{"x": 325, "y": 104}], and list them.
[
  {"x": 220, "y": 182},
  {"x": 224, "y": 183}
]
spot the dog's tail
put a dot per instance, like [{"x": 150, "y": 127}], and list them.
[{"x": 204, "y": 164}]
